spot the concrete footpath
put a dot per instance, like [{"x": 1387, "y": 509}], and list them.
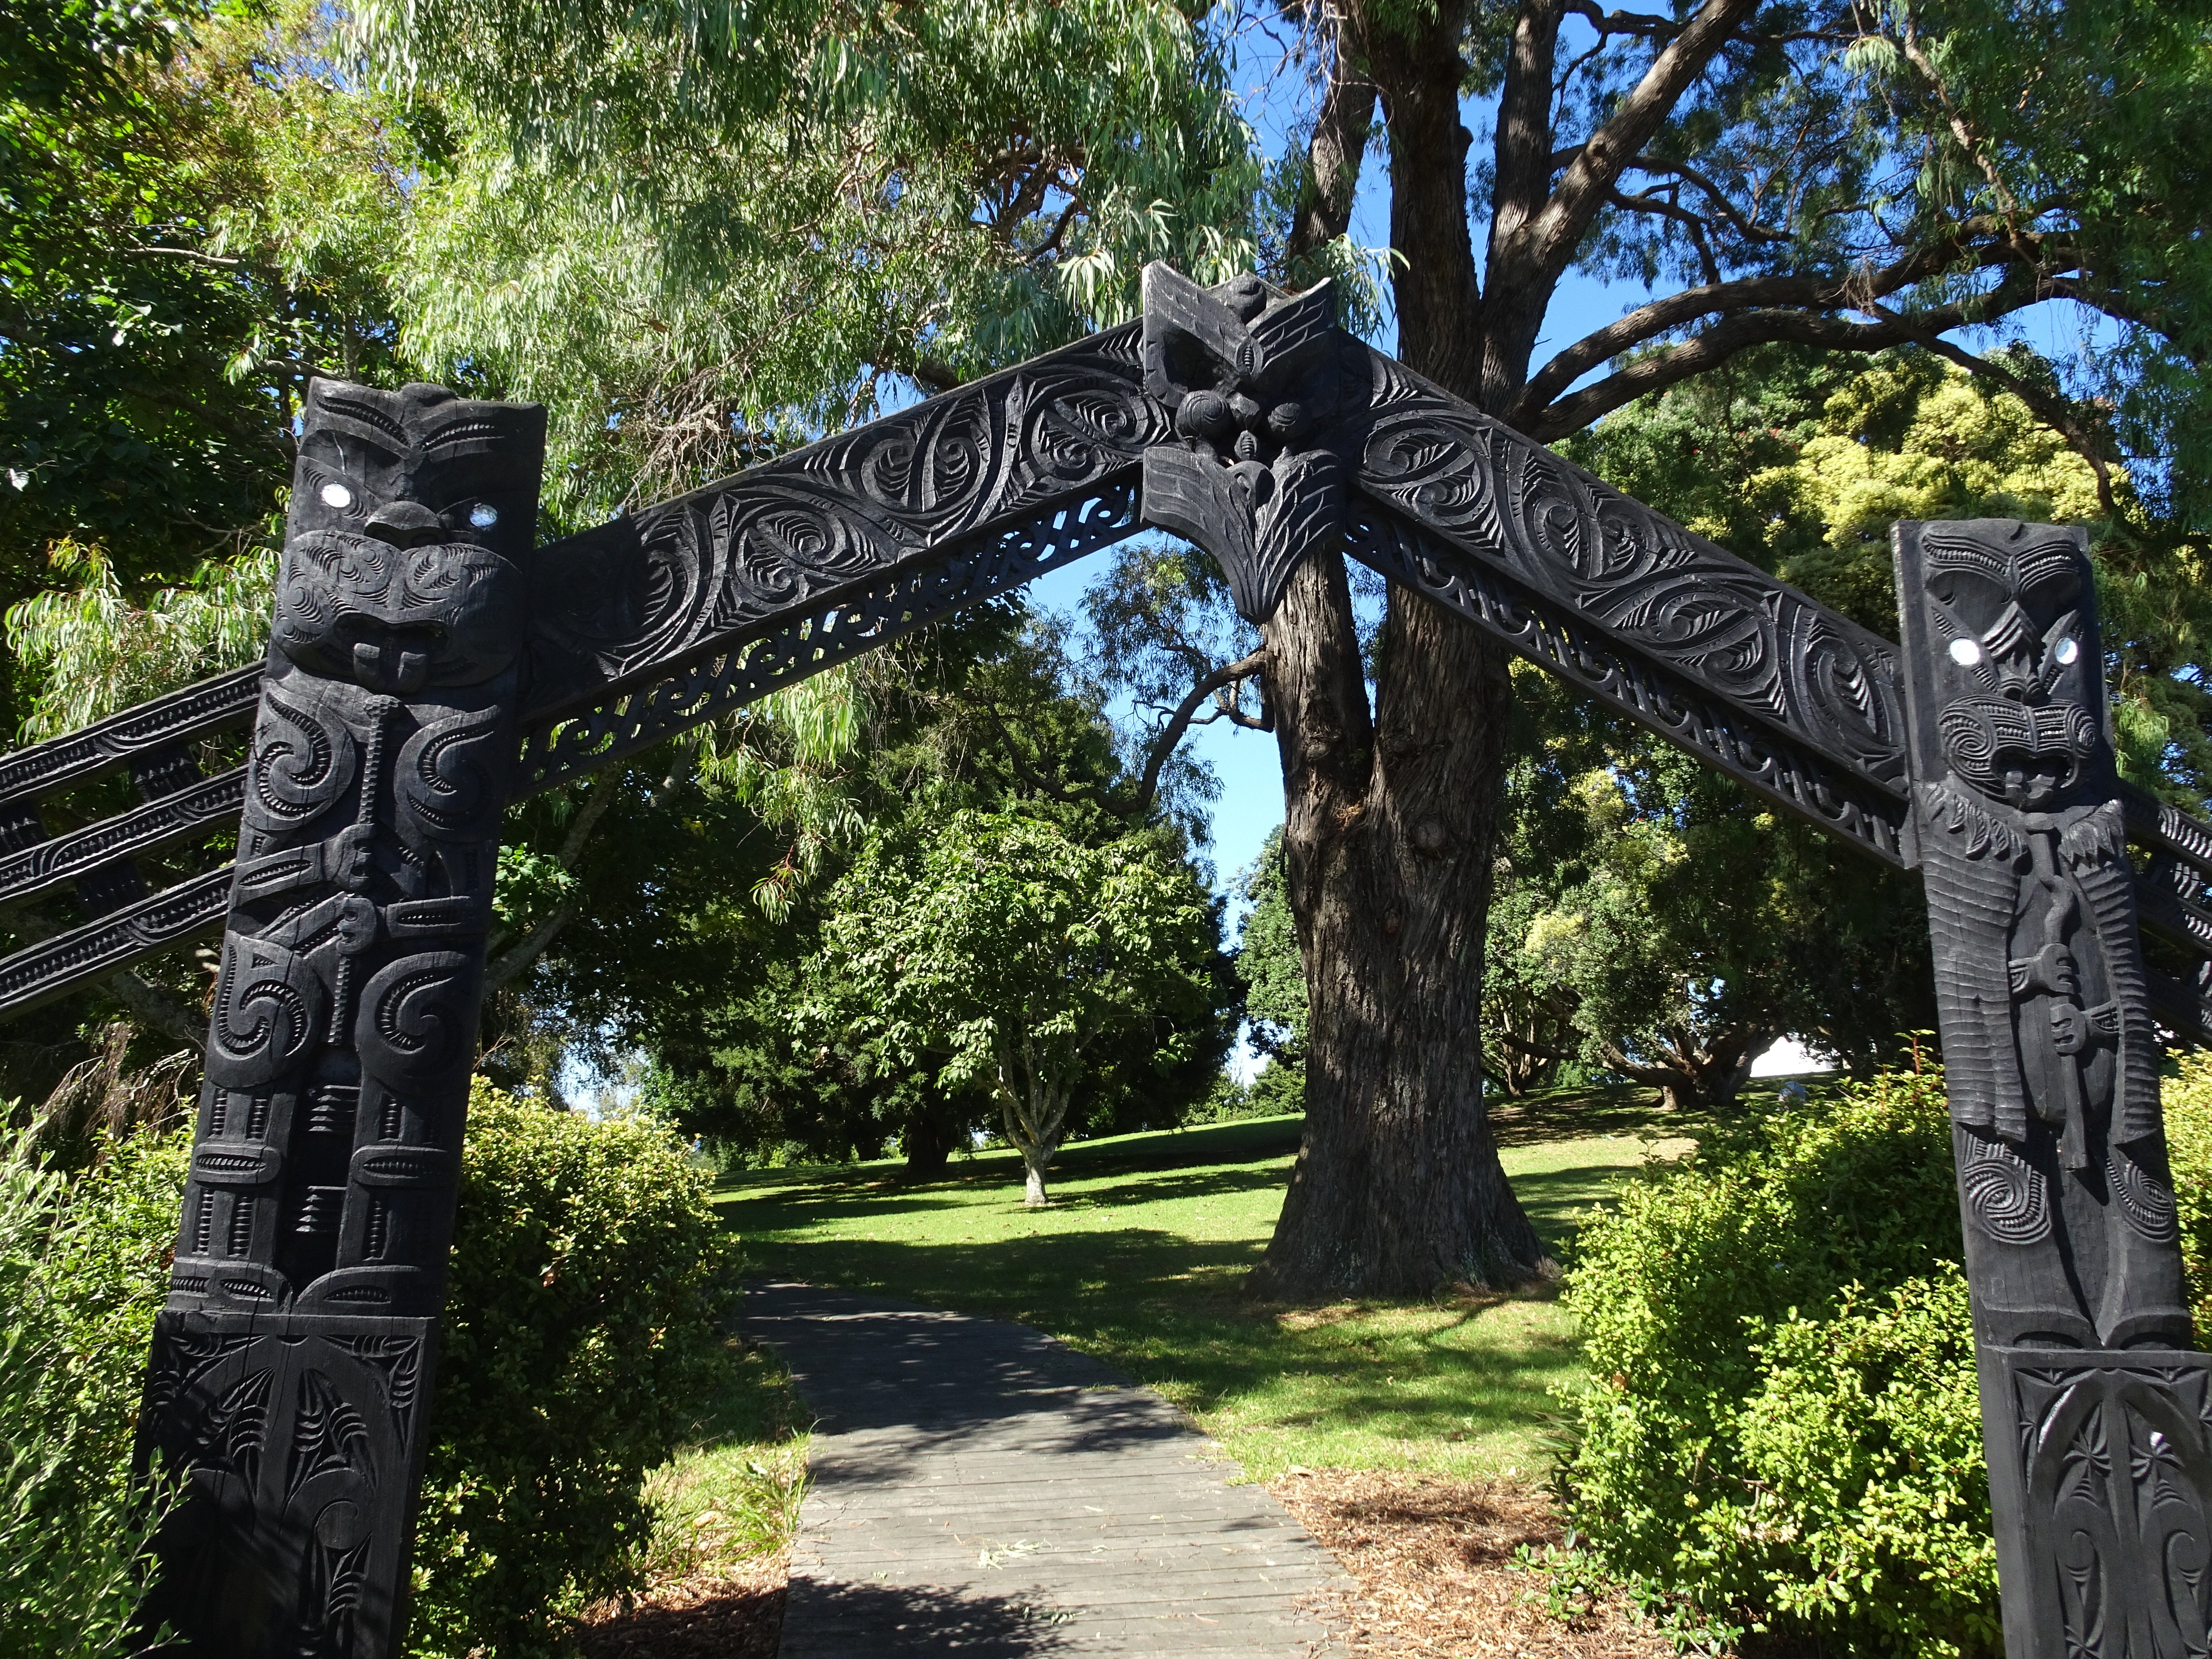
[{"x": 978, "y": 1488}]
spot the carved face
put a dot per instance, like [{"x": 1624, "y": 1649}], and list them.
[
  {"x": 411, "y": 511},
  {"x": 2011, "y": 618}
]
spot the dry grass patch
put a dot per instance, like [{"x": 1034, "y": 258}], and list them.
[{"x": 1433, "y": 1559}]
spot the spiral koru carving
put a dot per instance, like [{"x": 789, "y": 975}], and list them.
[
  {"x": 302, "y": 761},
  {"x": 418, "y": 1018},
  {"x": 2144, "y": 1198},
  {"x": 2006, "y": 1195},
  {"x": 1671, "y": 598},
  {"x": 268, "y": 1013},
  {"x": 451, "y": 782}
]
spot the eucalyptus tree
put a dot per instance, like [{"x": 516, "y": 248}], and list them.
[{"x": 701, "y": 230}]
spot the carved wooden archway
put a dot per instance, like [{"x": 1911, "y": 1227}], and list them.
[{"x": 428, "y": 666}]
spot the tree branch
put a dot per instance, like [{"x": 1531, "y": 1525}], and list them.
[
  {"x": 1333, "y": 156},
  {"x": 1754, "y": 296},
  {"x": 159, "y": 1009},
  {"x": 1716, "y": 346},
  {"x": 1163, "y": 744},
  {"x": 1539, "y": 250},
  {"x": 511, "y": 963}
]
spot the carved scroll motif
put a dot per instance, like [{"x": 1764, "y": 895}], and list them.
[
  {"x": 2100, "y": 1462},
  {"x": 681, "y": 580},
  {"x": 292, "y": 1362},
  {"x": 1660, "y": 592}
]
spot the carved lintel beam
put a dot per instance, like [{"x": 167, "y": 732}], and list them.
[
  {"x": 290, "y": 1367},
  {"x": 2094, "y": 1411},
  {"x": 1656, "y": 593},
  {"x": 615, "y": 608}
]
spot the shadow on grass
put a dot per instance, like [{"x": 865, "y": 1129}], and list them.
[
  {"x": 1553, "y": 1198},
  {"x": 1164, "y": 1308},
  {"x": 1573, "y": 1114}
]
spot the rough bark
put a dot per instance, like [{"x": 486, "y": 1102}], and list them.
[{"x": 1388, "y": 823}]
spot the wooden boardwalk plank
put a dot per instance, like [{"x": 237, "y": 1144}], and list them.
[{"x": 980, "y": 1489}]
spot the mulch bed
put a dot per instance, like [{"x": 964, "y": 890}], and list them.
[
  {"x": 706, "y": 1618},
  {"x": 1433, "y": 1559}
]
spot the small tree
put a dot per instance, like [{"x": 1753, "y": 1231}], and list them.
[{"x": 1008, "y": 954}]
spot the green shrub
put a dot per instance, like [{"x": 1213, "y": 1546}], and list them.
[
  {"x": 1765, "y": 1436},
  {"x": 1782, "y": 1429},
  {"x": 583, "y": 1340},
  {"x": 2188, "y": 1099},
  {"x": 82, "y": 1265}
]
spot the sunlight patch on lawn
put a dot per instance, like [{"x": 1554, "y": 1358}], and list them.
[{"x": 1141, "y": 1260}]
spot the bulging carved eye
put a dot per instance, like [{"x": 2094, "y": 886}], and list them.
[
  {"x": 337, "y": 494},
  {"x": 2066, "y": 651},
  {"x": 1965, "y": 653},
  {"x": 484, "y": 516}
]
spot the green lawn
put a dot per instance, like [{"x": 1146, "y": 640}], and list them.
[{"x": 1138, "y": 1262}]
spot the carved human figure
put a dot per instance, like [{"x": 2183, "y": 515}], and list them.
[
  {"x": 2051, "y": 1053},
  {"x": 2097, "y": 1418},
  {"x": 292, "y": 1362}
]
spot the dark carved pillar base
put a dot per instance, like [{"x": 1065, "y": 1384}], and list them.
[
  {"x": 300, "y": 1438},
  {"x": 2106, "y": 1457}
]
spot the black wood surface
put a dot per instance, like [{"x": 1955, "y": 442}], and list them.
[
  {"x": 2094, "y": 1410},
  {"x": 289, "y": 1380}
]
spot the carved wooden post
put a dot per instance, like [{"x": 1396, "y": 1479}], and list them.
[
  {"x": 291, "y": 1368},
  {"x": 2095, "y": 1411}
]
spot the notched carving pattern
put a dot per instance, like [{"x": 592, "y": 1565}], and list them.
[
  {"x": 1671, "y": 597},
  {"x": 210, "y": 706},
  {"x": 1683, "y": 713},
  {"x": 209, "y": 804}
]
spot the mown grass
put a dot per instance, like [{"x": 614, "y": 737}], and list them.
[{"x": 1140, "y": 1262}]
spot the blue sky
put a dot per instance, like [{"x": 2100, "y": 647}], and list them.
[{"x": 1251, "y": 800}]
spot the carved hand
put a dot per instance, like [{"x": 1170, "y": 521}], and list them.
[{"x": 2049, "y": 970}]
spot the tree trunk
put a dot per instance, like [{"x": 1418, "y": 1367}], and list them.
[
  {"x": 1690, "y": 1077},
  {"x": 1035, "y": 1102},
  {"x": 1388, "y": 830},
  {"x": 928, "y": 1140}
]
